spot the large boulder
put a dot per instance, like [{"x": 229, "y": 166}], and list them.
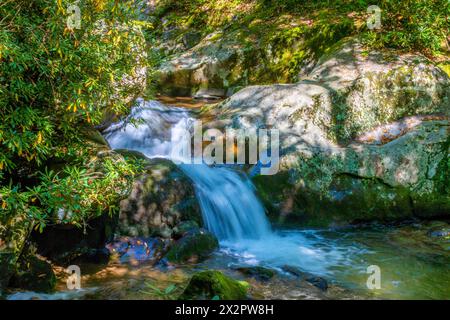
[
  {"x": 161, "y": 198},
  {"x": 365, "y": 136},
  {"x": 346, "y": 95},
  {"x": 403, "y": 178},
  {"x": 228, "y": 56},
  {"x": 207, "y": 65},
  {"x": 211, "y": 284}
]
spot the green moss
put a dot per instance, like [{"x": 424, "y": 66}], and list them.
[
  {"x": 193, "y": 247},
  {"x": 207, "y": 285},
  {"x": 445, "y": 67}
]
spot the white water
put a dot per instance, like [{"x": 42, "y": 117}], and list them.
[{"x": 230, "y": 208}]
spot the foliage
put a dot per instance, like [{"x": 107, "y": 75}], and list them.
[
  {"x": 75, "y": 195},
  {"x": 409, "y": 25},
  {"x": 412, "y": 25},
  {"x": 55, "y": 79},
  {"x": 169, "y": 293}
]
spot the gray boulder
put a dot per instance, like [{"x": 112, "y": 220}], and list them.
[
  {"x": 159, "y": 200},
  {"x": 364, "y": 136}
]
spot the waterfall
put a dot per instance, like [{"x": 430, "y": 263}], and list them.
[{"x": 230, "y": 208}]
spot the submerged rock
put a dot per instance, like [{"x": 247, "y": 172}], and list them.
[
  {"x": 259, "y": 273},
  {"x": 316, "y": 281},
  {"x": 194, "y": 246},
  {"x": 138, "y": 250},
  {"x": 439, "y": 232},
  {"x": 207, "y": 285}
]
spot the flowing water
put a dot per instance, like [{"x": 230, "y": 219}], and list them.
[
  {"x": 232, "y": 211},
  {"x": 413, "y": 265}
]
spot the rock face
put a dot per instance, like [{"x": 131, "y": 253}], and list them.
[
  {"x": 207, "y": 285},
  {"x": 207, "y": 65},
  {"x": 234, "y": 56},
  {"x": 160, "y": 199},
  {"x": 362, "y": 137}
]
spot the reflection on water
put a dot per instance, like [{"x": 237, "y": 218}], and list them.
[{"x": 414, "y": 265}]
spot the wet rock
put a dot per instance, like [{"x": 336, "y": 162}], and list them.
[
  {"x": 137, "y": 250},
  {"x": 34, "y": 274},
  {"x": 439, "y": 232},
  {"x": 184, "y": 227},
  {"x": 195, "y": 246},
  {"x": 160, "y": 199},
  {"x": 259, "y": 273},
  {"x": 66, "y": 243},
  {"x": 318, "y": 282},
  {"x": 207, "y": 285}
]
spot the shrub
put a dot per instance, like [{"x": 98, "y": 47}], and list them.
[{"x": 53, "y": 81}]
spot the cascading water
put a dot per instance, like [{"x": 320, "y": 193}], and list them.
[
  {"x": 230, "y": 208},
  {"x": 229, "y": 205}
]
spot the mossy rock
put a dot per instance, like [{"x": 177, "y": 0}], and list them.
[
  {"x": 210, "y": 284},
  {"x": 259, "y": 273},
  {"x": 195, "y": 246},
  {"x": 132, "y": 154},
  {"x": 159, "y": 200},
  {"x": 34, "y": 274},
  {"x": 183, "y": 228}
]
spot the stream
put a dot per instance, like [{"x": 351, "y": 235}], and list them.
[{"x": 413, "y": 264}]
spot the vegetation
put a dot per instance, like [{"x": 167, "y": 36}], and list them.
[
  {"x": 59, "y": 81},
  {"x": 298, "y": 31},
  {"x": 54, "y": 80}
]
